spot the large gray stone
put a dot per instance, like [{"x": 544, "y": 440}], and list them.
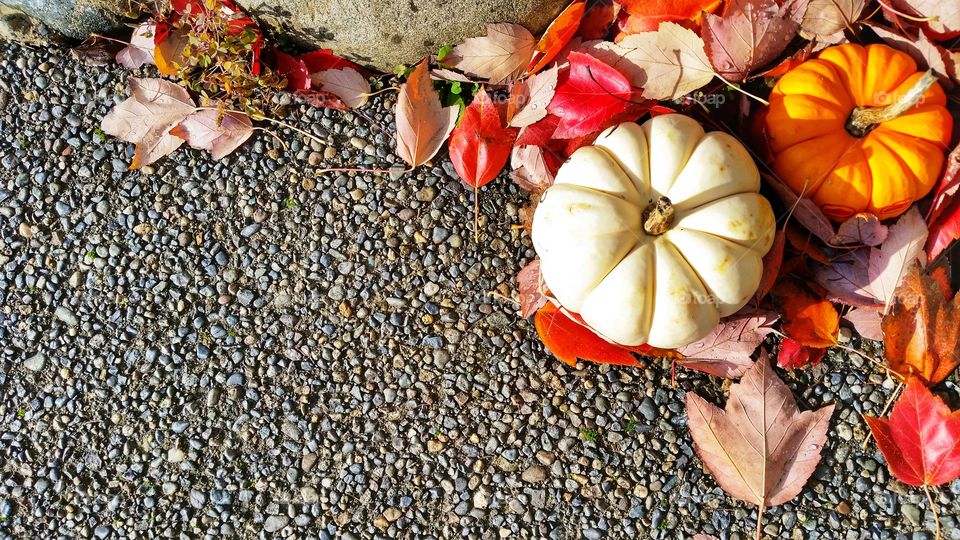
[
  {"x": 16, "y": 25},
  {"x": 386, "y": 33},
  {"x": 74, "y": 18}
]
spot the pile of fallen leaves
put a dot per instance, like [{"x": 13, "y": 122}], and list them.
[{"x": 510, "y": 100}]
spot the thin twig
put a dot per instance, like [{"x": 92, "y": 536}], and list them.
[
  {"x": 886, "y": 407},
  {"x": 933, "y": 508},
  {"x": 741, "y": 90}
]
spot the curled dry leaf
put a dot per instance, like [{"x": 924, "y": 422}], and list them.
[
  {"x": 947, "y": 187},
  {"x": 810, "y": 320},
  {"x": 772, "y": 262},
  {"x": 921, "y": 331},
  {"x": 529, "y": 98},
  {"x": 943, "y": 16},
  {"x": 95, "y": 51},
  {"x": 140, "y": 49},
  {"x": 847, "y": 279},
  {"x": 345, "y": 83},
  {"x": 533, "y": 167},
  {"x": 869, "y": 276},
  {"x": 726, "y": 350},
  {"x": 826, "y": 20},
  {"x": 667, "y": 64},
  {"x": 921, "y": 438},
  {"x": 557, "y": 36},
  {"x": 423, "y": 124},
  {"x": 794, "y": 354},
  {"x": 213, "y": 131},
  {"x": 861, "y": 229},
  {"x": 480, "y": 145},
  {"x": 532, "y": 296},
  {"x": 750, "y": 34},
  {"x": 568, "y": 340},
  {"x": 154, "y": 107},
  {"x": 804, "y": 210},
  {"x": 866, "y": 322},
  {"x": 893, "y": 259},
  {"x": 500, "y": 56},
  {"x": 760, "y": 448},
  {"x": 588, "y": 95}
]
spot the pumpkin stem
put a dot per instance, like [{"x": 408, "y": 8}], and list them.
[
  {"x": 863, "y": 119},
  {"x": 658, "y": 217}
]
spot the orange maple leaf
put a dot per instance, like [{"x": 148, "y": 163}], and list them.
[
  {"x": 922, "y": 329},
  {"x": 807, "y": 318}
]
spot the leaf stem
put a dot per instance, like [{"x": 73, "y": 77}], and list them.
[
  {"x": 933, "y": 508},
  {"x": 741, "y": 90},
  {"x": 318, "y": 172},
  {"x": 898, "y": 13},
  {"x": 382, "y": 90},
  {"x": 864, "y": 119},
  {"x": 879, "y": 364},
  {"x": 476, "y": 214},
  {"x": 760, "y": 521}
]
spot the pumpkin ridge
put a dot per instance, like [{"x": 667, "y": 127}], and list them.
[
  {"x": 814, "y": 185},
  {"x": 904, "y": 72},
  {"x": 734, "y": 266},
  {"x": 650, "y": 192},
  {"x": 905, "y": 168},
  {"x": 891, "y": 126},
  {"x": 835, "y": 82},
  {"x": 853, "y": 70}
]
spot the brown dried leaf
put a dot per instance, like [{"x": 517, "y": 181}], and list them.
[
  {"x": 760, "y": 449},
  {"x": 826, "y": 20},
  {"x": 529, "y": 98},
  {"x": 667, "y": 64},
  {"x": 750, "y": 34},
  {"x": 862, "y": 229},
  {"x": 140, "y": 49},
  {"x": 943, "y": 15},
  {"x": 219, "y": 135},
  {"x": 501, "y": 55},
  {"x": 726, "y": 351},
  {"x": 154, "y": 107},
  {"x": 423, "y": 124},
  {"x": 347, "y": 84},
  {"x": 921, "y": 332}
]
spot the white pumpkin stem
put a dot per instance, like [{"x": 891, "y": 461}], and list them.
[
  {"x": 658, "y": 217},
  {"x": 864, "y": 119}
]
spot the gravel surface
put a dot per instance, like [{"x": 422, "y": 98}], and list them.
[{"x": 243, "y": 349}]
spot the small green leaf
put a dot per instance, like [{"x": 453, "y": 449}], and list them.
[{"x": 443, "y": 52}]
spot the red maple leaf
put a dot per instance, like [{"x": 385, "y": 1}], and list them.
[
  {"x": 480, "y": 145},
  {"x": 293, "y": 69},
  {"x": 588, "y": 95},
  {"x": 568, "y": 340},
  {"x": 794, "y": 354},
  {"x": 921, "y": 438}
]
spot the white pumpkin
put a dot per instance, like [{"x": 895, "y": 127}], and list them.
[{"x": 654, "y": 232}]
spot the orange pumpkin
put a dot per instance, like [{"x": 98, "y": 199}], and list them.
[{"x": 881, "y": 168}]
